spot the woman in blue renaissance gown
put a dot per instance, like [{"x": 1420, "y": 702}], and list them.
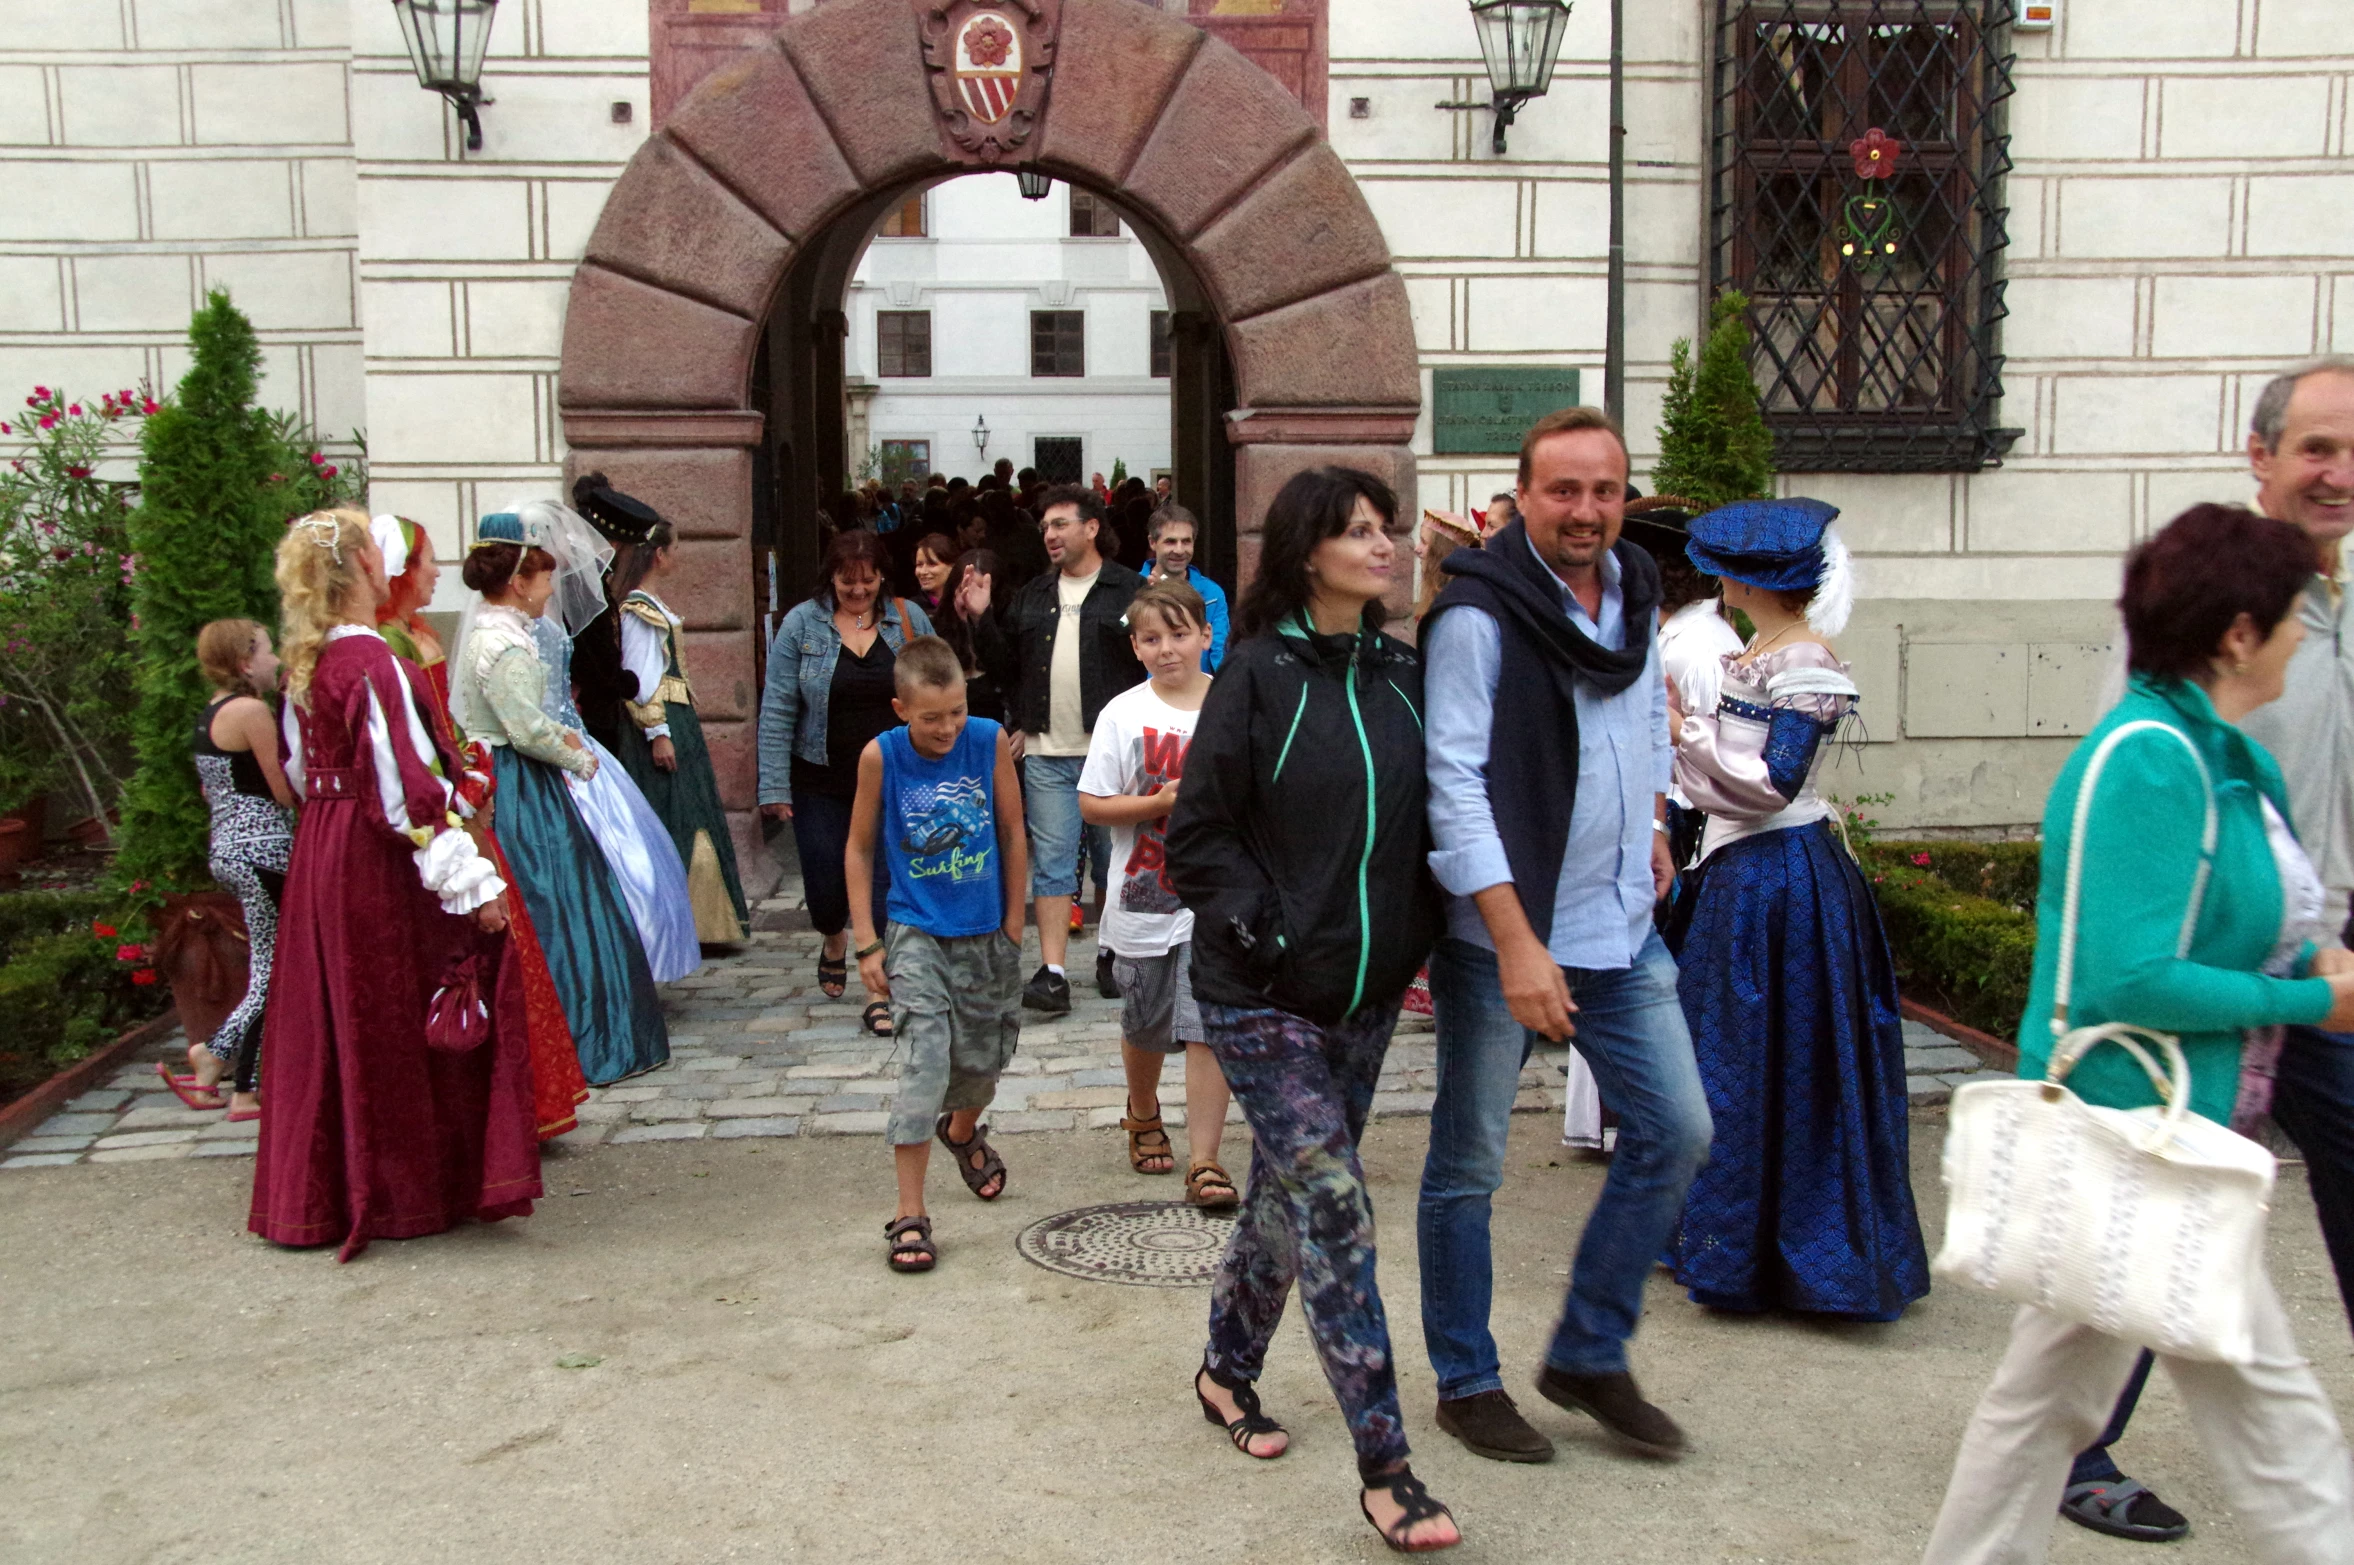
[
  {"x": 1806, "y": 1202},
  {"x": 637, "y": 846},
  {"x": 540, "y": 558}
]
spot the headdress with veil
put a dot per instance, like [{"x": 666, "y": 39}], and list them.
[{"x": 579, "y": 596}]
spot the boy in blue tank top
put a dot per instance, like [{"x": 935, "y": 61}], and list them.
[{"x": 942, "y": 796}]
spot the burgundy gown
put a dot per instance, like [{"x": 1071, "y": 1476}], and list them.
[{"x": 366, "y": 1132}]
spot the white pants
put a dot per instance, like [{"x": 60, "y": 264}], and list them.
[{"x": 2266, "y": 1426}]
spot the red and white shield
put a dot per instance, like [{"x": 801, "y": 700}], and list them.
[{"x": 988, "y": 65}]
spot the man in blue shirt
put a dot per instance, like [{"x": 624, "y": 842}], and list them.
[
  {"x": 1172, "y": 533},
  {"x": 1549, "y": 833}
]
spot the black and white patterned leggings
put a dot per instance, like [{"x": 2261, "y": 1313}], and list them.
[{"x": 259, "y": 885}]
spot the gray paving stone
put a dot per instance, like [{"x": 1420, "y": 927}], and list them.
[
  {"x": 661, "y": 1109},
  {"x": 177, "y": 1117},
  {"x": 222, "y": 1130},
  {"x": 1926, "y": 1089},
  {"x": 1948, "y": 1057},
  {"x": 54, "y": 1144},
  {"x": 41, "y": 1160},
  {"x": 225, "y": 1149},
  {"x": 1017, "y": 1123},
  {"x": 860, "y": 1124},
  {"x": 146, "y": 1154},
  {"x": 104, "y": 1101},
  {"x": 145, "y": 1138},
  {"x": 757, "y": 1108},
  {"x": 780, "y": 1125},
  {"x": 76, "y": 1125},
  {"x": 666, "y": 1132}
]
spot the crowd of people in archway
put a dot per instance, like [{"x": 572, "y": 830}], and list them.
[{"x": 1579, "y": 805}]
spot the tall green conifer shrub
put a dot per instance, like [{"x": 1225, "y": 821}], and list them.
[
  {"x": 205, "y": 535},
  {"x": 1714, "y": 446}
]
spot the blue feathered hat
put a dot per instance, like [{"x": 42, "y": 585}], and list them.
[{"x": 1782, "y": 546}]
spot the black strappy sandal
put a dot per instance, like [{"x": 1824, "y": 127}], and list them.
[
  {"x": 877, "y": 1019},
  {"x": 910, "y": 1237},
  {"x": 833, "y": 974},
  {"x": 1408, "y": 1491},
  {"x": 992, "y": 1166},
  {"x": 1253, "y": 1423}
]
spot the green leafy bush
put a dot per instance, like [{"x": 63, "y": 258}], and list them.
[
  {"x": 27, "y": 915},
  {"x": 64, "y": 991},
  {"x": 1714, "y": 446},
  {"x": 2005, "y": 872},
  {"x": 1969, "y": 955}
]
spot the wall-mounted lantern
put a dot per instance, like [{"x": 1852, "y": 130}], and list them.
[
  {"x": 446, "y": 43},
  {"x": 1521, "y": 40},
  {"x": 981, "y": 434},
  {"x": 1034, "y": 184}
]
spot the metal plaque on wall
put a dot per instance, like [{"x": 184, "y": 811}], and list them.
[{"x": 1484, "y": 410}]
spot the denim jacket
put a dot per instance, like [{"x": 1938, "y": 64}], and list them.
[{"x": 801, "y": 678}]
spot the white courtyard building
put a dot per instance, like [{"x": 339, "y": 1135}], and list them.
[
  {"x": 1032, "y": 323},
  {"x": 672, "y": 257}
]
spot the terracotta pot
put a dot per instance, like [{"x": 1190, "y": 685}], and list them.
[
  {"x": 17, "y": 843},
  {"x": 200, "y": 948},
  {"x": 34, "y": 812},
  {"x": 89, "y": 831}
]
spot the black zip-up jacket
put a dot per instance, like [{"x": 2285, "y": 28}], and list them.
[
  {"x": 1107, "y": 662},
  {"x": 1299, "y": 838}
]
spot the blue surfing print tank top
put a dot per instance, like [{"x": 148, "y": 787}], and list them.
[{"x": 939, "y": 833}]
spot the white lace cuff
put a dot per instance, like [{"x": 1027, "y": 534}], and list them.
[{"x": 455, "y": 870}]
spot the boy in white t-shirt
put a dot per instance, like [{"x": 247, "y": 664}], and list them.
[{"x": 1134, "y": 760}]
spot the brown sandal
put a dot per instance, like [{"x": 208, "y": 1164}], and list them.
[
  {"x": 1140, "y": 1131},
  {"x": 1208, "y": 1187},
  {"x": 977, "y": 1180},
  {"x": 910, "y": 1242}
]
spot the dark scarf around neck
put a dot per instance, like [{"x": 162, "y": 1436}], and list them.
[{"x": 1507, "y": 579}]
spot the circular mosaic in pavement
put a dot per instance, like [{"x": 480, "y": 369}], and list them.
[{"x": 1145, "y": 1244}]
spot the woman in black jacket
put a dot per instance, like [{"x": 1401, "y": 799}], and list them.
[{"x": 1298, "y": 841}]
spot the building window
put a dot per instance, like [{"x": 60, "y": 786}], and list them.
[
  {"x": 906, "y": 220},
  {"x": 1057, "y": 458},
  {"x": 903, "y": 460},
  {"x": 903, "y": 342},
  {"x": 1160, "y": 344},
  {"x": 1874, "y": 284},
  {"x": 1092, "y": 217},
  {"x": 1058, "y": 342}
]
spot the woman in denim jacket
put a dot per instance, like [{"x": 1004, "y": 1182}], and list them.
[{"x": 829, "y": 693}]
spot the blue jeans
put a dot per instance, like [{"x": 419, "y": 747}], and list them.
[
  {"x": 2313, "y": 1102},
  {"x": 1050, "y": 807},
  {"x": 821, "y": 836},
  {"x": 1630, "y": 1028}
]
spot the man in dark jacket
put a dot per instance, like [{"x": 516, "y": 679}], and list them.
[
  {"x": 1071, "y": 655},
  {"x": 1548, "y": 831}
]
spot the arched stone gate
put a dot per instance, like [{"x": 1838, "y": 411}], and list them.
[{"x": 667, "y": 310}]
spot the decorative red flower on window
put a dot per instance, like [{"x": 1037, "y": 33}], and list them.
[
  {"x": 1875, "y": 154},
  {"x": 988, "y": 42}
]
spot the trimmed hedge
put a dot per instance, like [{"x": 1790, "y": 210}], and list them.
[
  {"x": 1962, "y": 926},
  {"x": 63, "y": 993}
]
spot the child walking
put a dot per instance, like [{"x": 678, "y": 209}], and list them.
[
  {"x": 942, "y": 795},
  {"x": 1134, "y": 761}
]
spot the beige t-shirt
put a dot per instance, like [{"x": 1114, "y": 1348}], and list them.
[{"x": 1066, "y": 726}]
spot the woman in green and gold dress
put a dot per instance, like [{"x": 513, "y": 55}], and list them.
[{"x": 662, "y": 743}]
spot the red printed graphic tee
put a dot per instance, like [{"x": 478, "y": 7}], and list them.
[{"x": 1139, "y": 743}]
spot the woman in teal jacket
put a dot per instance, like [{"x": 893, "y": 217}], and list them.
[{"x": 2209, "y": 627}]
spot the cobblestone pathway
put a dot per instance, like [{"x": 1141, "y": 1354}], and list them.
[{"x": 756, "y": 1050}]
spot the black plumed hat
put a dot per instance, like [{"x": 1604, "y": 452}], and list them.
[{"x": 619, "y": 517}]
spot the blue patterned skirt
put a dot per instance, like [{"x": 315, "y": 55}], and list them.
[
  {"x": 584, "y": 926},
  {"x": 1807, "y": 1199}
]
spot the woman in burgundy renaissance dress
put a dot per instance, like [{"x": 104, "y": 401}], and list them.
[{"x": 367, "y": 1131}]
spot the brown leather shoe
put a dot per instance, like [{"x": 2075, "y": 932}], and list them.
[
  {"x": 1489, "y": 1425},
  {"x": 1613, "y": 1402}
]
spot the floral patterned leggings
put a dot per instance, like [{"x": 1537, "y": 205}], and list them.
[{"x": 1305, "y": 1215}]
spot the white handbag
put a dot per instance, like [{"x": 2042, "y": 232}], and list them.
[{"x": 2147, "y": 1225}]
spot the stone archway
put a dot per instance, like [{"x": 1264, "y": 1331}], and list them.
[{"x": 667, "y": 310}]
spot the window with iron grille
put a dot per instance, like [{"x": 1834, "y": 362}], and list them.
[
  {"x": 903, "y": 342},
  {"x": 1092, "y": 217},
  {"x": 1058, "y": 342},
  {"x": 902, "y": 460},
  {"x": 1859, "y": 150},
  {"x": 1160, "y": 344}
]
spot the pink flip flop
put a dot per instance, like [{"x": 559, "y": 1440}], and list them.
[
  {"x": 185, "y": 1088},
  {"x": 239, "y": 1118}
]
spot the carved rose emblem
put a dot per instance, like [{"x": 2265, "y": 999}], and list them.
[
  {"x": 988, "y": 42},
  {"x": 1875, "y": 154}
]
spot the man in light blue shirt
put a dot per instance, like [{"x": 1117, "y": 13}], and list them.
[{"x": 1549, "y": 832}]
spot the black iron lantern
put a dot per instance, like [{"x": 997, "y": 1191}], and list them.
[
  {"x": 1034, "y": 184},
  {"x": 446, "y": 43},
  {"x": 1521, "y": 40}
]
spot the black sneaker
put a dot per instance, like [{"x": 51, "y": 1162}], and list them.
[
  {"x": 1047, "y": 991},
  {"x": 1105, "y": 984}
]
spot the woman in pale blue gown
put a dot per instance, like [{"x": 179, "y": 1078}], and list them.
[{"x": 635, "y": 842}]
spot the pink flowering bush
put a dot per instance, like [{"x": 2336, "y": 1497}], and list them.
[{"x": 65, "y": 601}]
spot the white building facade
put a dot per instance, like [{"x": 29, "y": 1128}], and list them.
[
  {"x": 1029, "y": 324},
  {"x": 2176, "y": 186}
]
